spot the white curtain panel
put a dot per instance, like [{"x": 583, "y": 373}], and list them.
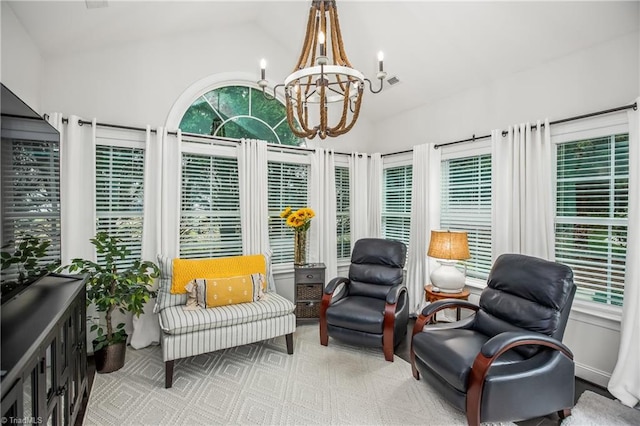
[
  {"x": 151, "y": 228},
  {"x": 322, "y": 185},
  {"x": 522, "y": 204},
  {"x": 170, "y": 195},
  {"x": 77, "y": 200},
  {"x": 539, "y": 232},
  {"x": 164, "y": 155},
  {"x": 146, "y": 328},
  {"x": 625, "y": 380},
  {"x": 252, "y": 169},
  {"x": 77, "y": 190},
  {"x": 359, "y": 190},
  {"x": 375, "y": 195},
  {"x": 425, "y": 216}
]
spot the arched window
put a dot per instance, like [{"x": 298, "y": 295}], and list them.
[{"x": 237, "y": 112}]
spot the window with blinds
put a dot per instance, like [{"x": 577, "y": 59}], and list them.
[
  {"x": 343, "y": 222},
  {"x": 396, "y": 203},
  {"x": 591, "y": 215},
  {"x": 287, "y": 187},
  {"x": 465, "y": 205},
  {"x": 210, "y": 223},
  {"x": 31, "y": 194},
  {"x": 119, "y": 197}
]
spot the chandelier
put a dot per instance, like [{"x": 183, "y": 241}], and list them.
[{"x": 322, "y": 76}]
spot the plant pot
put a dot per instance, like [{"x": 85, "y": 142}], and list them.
[{"x": 110, "y": 358}]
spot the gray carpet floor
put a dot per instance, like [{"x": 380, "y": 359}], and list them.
[{"x": 260, "y": 384}]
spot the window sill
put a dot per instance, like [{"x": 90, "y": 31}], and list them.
[
  {"x": 282, "y": 268},
  {"x": 475, "y": 283},
  {"x": 580, "y": 308},
  {"x": 598, "y": 310}
]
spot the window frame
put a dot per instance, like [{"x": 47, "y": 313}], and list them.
[
  {"x": 594, "y": 127},
  {"x": 117, "y": 138},
  {"x": 199, "y": 91},
  {"x": 197, "y": 147},
  {"x": 488, "y": 254},
  {"x": 462, "y": 150},
  {"x": 343, "y": 162},
  {"x": 280, "y": 156},
  {"x": 400, "y": 160}
]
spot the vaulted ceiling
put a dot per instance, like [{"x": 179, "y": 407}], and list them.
[{"x": 436, "y": 49}]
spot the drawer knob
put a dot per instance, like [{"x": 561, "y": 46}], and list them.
[{"x": 309, "y": 276}]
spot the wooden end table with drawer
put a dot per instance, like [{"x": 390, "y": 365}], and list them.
[{"x": 309, "y": 286}]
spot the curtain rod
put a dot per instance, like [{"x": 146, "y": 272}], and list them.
[
  {"x": 114, "y": 126},
  {"x": 563, "y": 120},
  {"x": 474, "y": 138},
  {"x": 197, "y": 135}
]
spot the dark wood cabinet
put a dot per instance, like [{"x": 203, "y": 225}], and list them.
[
  {"x": 309, "y": 285},
  {"x": 44, "y": 361}
]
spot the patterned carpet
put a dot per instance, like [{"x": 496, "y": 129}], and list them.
[{"x": 260, "y": 384}]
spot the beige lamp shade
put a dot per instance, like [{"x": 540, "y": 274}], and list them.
[{"x": 449, "y": 245}]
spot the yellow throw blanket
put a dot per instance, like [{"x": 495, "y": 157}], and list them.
[{"x": 185, "y": 270}]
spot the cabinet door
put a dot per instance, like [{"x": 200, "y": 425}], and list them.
[
  {"x": 48, "y": 373},
  {"x": 32, "y": 398},
  {"x": 65, "y": 367},
  {"x": 78, "y": 375},
  {"x": 12, "y": 404}
]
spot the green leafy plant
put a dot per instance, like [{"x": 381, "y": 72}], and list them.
[
  {"x": 111, "y": 288},
  {"x": 25, "y": 255}
]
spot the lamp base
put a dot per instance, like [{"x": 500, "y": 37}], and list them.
[{"x": 447, "y": 278}]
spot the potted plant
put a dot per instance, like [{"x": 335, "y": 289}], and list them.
[{"x": 110, "y": 287}]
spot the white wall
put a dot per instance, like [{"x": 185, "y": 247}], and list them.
[
  {"x": 138, "y": 83},
  {"x": 601, "y": 77},
  {"x": 21, "y": 68}
]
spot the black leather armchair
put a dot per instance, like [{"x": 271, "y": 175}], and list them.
[
  {"x": 370, "y": 308},
  {"x": 505, "y": 362}
]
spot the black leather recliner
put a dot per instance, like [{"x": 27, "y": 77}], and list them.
[
  {"x": 370, "y": 308},
  {"x": 506, "y": 362}
]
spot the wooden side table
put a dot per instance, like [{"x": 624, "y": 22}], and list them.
[{"x": 432, "y": 296}]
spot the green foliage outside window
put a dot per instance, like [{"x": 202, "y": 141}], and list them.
[{"x": 239, "y": 112}]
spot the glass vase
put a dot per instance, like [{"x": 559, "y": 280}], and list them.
[{"x": 300, "y": 248}]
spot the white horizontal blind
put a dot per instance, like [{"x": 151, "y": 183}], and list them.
[
  {"x": 592, "y": 213},
  {"x": 466, "y": 206},
  {"x": 342, "y": 213},
  {"x": 396, "y": 203},
  {"x": 287, "y": 187},
  {"x": 119, "y": 196},
  {"x": 210, "y": 223},
  {"x": 31, "y": 195}
]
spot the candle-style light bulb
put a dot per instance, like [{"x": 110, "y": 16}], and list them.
[
  {"x": 263, "y": 68},
  {"x": 321, "y": 41},
  {"x": 380, "y": 61}
]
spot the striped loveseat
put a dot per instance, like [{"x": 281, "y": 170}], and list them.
[{"x": 188, "y": 333}]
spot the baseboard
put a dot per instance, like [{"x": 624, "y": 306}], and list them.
[{"x": 593, "y": 375}]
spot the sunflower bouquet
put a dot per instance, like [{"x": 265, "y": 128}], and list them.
[{"x": 299, "y": 220}]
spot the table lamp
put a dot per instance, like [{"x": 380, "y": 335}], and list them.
[{"x": 447, "y": 248}]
